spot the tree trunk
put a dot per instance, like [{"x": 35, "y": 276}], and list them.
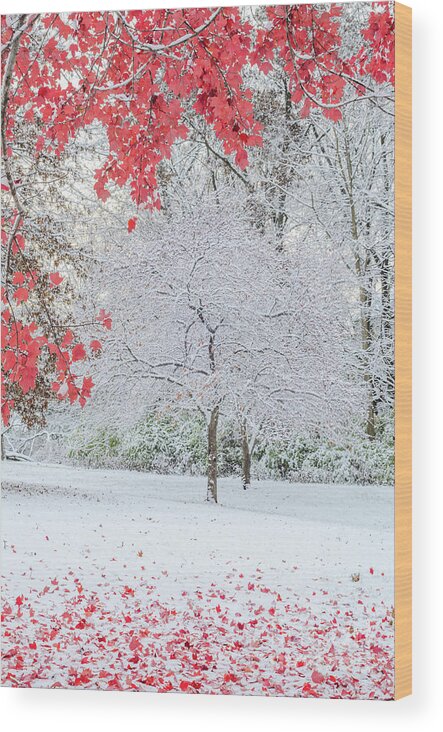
[
  {"x": 212, "y": 456},
  {"x": 362, "y": 267},
  {"x": 370, "y": 420},
  {"x": 367, "y": 337},
  {"x": 246, "y": 457}
]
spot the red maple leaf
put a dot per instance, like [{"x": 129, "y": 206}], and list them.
[
  {"x": 56, "y": 279},
  {"x": 21, "y": 294},
  {"x": 78, "y": 352},
  {"x": 95, "y": 346},
  {"x": 317, "y": 677},
  {"x": 132, "y": 223}
]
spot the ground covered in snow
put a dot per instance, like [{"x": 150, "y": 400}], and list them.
[{"x": 124, "y": 580}]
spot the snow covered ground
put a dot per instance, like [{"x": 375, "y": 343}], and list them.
[{"x": 117, "y": 579}]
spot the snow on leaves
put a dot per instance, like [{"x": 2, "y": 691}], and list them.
[{"x": 128, "y": 638}]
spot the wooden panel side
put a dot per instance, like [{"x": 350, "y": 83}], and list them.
[{"x": 403, "y": 351}]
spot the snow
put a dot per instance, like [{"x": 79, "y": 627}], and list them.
[{"x": 116, "y": 538}]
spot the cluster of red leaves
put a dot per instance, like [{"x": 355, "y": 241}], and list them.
[
  {"x": 26, "y": 347},
  {"x": 309, "y": 42},
  {"x": 133, "y": 72},
  {"x": 377, "y": 58},
  {"x": 201, "y": 642}
]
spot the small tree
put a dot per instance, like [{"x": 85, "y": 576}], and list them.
[{"x": 221, "y": 324}]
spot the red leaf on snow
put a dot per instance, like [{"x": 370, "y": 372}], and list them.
[
  {"x": 191, "y": 651},
  {"x": 317, "y": 677},
  {"x": 229, "y": 677},
  {"x": 132, "y": 223},
  {"x": 309, "y": 691}
]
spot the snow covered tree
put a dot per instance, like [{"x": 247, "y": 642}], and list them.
[
  {"x": 224, "y": 325},
  {"x": 346, "y": 200}
]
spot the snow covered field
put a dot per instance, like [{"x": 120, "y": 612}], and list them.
[{"x": 116, "y": 579}]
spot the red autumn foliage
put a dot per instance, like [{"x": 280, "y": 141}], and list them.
[{"x": 114, "y": 637}]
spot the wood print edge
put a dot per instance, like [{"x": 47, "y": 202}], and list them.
[{"x": 403, "y": 352}]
